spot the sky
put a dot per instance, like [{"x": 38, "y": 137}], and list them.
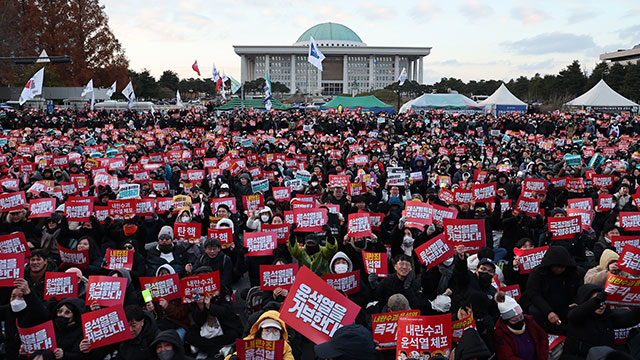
[{"x": 470, "y": 39}]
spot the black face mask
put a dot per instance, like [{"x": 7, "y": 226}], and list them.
[
  {"x": 62, "y": 322},
  {"x": 312, "y": 249},
  {"x": 517, "y": 326},
  {"x": 484, "y": 279},
  {"x": 360, "y": 244},
  {"x": 165, "y": 249}
]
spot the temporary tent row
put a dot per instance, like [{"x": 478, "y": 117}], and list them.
[
  {"x": 365, "y": 103},
  {"x": 256, "y": 104},
  {"x": 446, "y": 102},
  {"x": 602, "y": 98},
  {"x": 503, "y": 101}
]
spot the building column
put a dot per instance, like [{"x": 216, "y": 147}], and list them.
[
  {"x": 371, "y": 76},
  {"x": 409, "y": 69},
  {"x": 293, "y": 74},
  {"x": 420, "y": 70},
  {"x": 415, "y": 70},
  {"x": 396, "y": 68},
  {"x": 266, "y": 66},
  {"x": 243, "y": 69},
  {"x": 319, "y": 83},
  {"x": 345, "y": 75}
]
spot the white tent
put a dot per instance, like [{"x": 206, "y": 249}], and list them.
[
  {"x": 603, "y": 98},
  {"x": 503, "y": 101}
]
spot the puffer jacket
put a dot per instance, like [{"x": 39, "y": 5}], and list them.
[{"x": 255, "y": 329}]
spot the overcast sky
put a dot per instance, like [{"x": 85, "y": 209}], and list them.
[{"x": 470, "y": 39}]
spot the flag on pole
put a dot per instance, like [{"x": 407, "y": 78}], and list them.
[
  {"x": 195, "y": 67},
  {"x": 112, "y": 89},
  {"x": 129, "y": 94},
  {"x": 235, "y": 85},
  {"x": 216, "y": 76},
  {"x": 403, "y": 76},
  {"x": 223, "y": 79},
  {"x": 315, "y": 56},
  {"x": 267, "y": 94},
  {"x": 88, "y": 88},
  {"x": 178, "y": 99},
  {"x": 33, "y": 87}
]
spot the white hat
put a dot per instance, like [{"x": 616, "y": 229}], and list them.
[
  {"x": 508, "y": 306},
  {"x": 267, "y": 323}
]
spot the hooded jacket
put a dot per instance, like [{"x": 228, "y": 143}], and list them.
[
  {"x": 172, "y": 337},
  {"x": 471, "y": 346},
  {"x": 255, "y": 329},
  {"x": 343, "y": 256},
  {"x": 136, "y": 348},
  {"x": 597, "y": 275},
  {"x": 69, "y": 338}
]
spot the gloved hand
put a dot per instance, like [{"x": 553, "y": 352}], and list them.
[
  {"x": 373, "y": 280},
  {"x": 601, "y": 296}
]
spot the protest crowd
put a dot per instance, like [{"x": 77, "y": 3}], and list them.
[{"x": 197, "y": 234}]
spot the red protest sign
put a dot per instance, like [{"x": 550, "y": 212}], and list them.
[
  {"x": 253, "y": 202},
  {"x": 310, "y": 220},
  {"x": 12, "y": 201},
  {"x": 356, "y": 189},
  {"x": 602, "y": 181},
  {"x": 559, "y": 183},
  {"x": 282, "y": 194},
  {"x": 145, "y": 207},
  {"x": 585, "y": 217},
  {"x": 160, "y": 186},
  {"x": 260, "y": 243},
  {"x": 458, "y": 327},
  {"x": 484, "y": 192},
  {"x": 277, "y": 276},
  {"x": 60, "y": 285},
  {"x": 311, "y": 295},
  {"x": 166, "y": 287},
  {"x": 424, "y": 333},
  {"x": 39, "y": 208},
  {"x": 530, "y": 207},
  {"x": 434, "y": 251},
  {"x": 122, "y": 208},
  {"x": 78, "y": 211},
  {"x": 105, "y": 326},
  {"x": 629, "y": 221},
  {"x": 69, "y": 258},
  {"x": 384, "y": 328},
  {"x": 11, "y": 268},
  {"x": 258, "y": 349},
  {"x": 530, "y": 258},
  {"x": 39, "y": 337},
  {"x": 224, "y": 235},
  {"x": 281, "y": 230},
  {"x": 582, "y": 203},
  {"x": 118, "y": 259},
  {"x": 10, "y": 184},
  {"x": 106, "y": 290},
  {"x": 195, "y": 286},
  {"x": 359, "y": 225},
  {"x": 564, "y": 227},
  {"x": 619, "y": 242},
  {"x": 575, "y": 185},
  {"x": 339, "y": 181},
  {"x": 605, "y": 202},
  {"x": 446, "y": 195},
  {"x": 537, "y": 185},
  {"x": 440, "y": 213},
  {"x": 419, "y": 212},
  {"x": 622, "y": 291},
  {"x": 629, "y": 260},
  {"x": 375, "y": 263},
  {"x": 14, "y": 243},
  {"x": 189, "y": 232},
  {"x": 348, "y": 283},
  {"x": 469, "y": 233},
  {"x": 229, "y": 201},
  {"x": 461, "y": 196}
]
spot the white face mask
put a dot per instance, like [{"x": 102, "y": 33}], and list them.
[
  {"x": 270, "y": 337},
  {"x": 210, "y": 331},
  {"x": 314, "y": 184},
  {"x": 408, "y": 240},
  {"x": 264, "y": 218},
  {"x": 448, "y": 262},
  {"x": 18, "y": 305},
  {"x": 185, "y": 218},
  {"x": 341, "y": 268}
]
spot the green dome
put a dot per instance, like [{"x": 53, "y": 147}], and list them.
[{"x": 330, "y": 32}]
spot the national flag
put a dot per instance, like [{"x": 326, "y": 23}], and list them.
[
  {"x": 178, "y": 99},
  {"x": 267, "y": 94},
  {"x": 129, "y": 94},
  {"x": 235, "y": 85},
  {"x": 216, "y": 75},
  {"x": 88, "y": 88},
  {"x": 33, "y": 87},
  {"x": 112, "y": 89},
  {"x": 315, "y": 56},
  {"x": 403, "y": 76},
  {"x": 224, "y": 77},
  {"x": 195, "y": 67}
]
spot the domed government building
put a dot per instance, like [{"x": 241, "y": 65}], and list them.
[{"x": 350, "y": 65}]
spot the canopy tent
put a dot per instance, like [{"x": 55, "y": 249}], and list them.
[
  {"x": 365, "y": 103},
  {"x": 503, "y": 101},
  {"x": 446, "y": 102},
  {"x": 256, "y": 104},
  {"x": 602, "y": 98}
]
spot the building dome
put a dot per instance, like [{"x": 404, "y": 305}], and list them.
[{"x": 330, "y": 34}]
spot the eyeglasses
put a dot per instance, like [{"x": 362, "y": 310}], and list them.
[
  {"x": 64, "y": 312},
  {"x": 128, "y": 247}
]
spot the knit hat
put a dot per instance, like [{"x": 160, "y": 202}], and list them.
[
  {"x": 222, "y": 223},
  {"x": 608, "y": 256},
  {"x": 508, "y": 307},
  {"x": 166, "y": 230}
]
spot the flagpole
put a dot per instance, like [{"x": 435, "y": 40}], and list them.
[{"x": 242, "y": 96}]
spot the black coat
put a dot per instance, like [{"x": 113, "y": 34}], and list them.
[
  {"x": 172, "y": 337},
  {"x": 136, "y": 348}
]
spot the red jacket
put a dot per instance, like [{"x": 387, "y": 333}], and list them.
[{"x": 506, "y": 346}]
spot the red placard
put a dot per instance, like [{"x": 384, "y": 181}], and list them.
[
  {"x": 458, "y": 327},
  {"x": 434, "y": 251},
  {"x": 38, "y": 337},
  {"x": 277, "y": 276},
  {"x": 359, "y": 225},
  {"x": 461, "y": 196},
  {"x": 106, "y": 290},
  {"x": 440, "y": 213},
  {"x": 145, "y": 207},
  {"x": 120, "y": 209},
  {"x": 281, "y": 230},
  {"x": 619, "y": 242},
  {"x": 141, "y": 176},
  {"x": 530, "y": 207},
  {"x": 229, "y": 201},
  {"x": 39, "y": 208},
  {"x": 484, "y": 192},
  {"x": 10, "y": 184},
  {"x": 629, "y": 221},
  {"x": 189, "y": 232},
  {"x": 536, "y": 185},
  {"x": 11, "y": 268},
  {"x": 582, "y": 203},
  {"x": 375, "y": 263},
  {"x": 14, "y": 243},
  {"x": 469, "y": 233},
  {"x": 310, "y": 220},
  {"x": 585, "y": 217},
  {"x": 195, "y": 176},
  {"x": 564, "y": 227},
  {"x": 530, "y": 258},
  {"x": 602, "y": 181},
  {"x": 282, "y": 194},
  {"x": 419, "y": 212},
  {"x": 12, "y": 201},
  {"x": 166, "y": 287},
  {"x": 78, "y": 211},
  {"x": 512, "y": 290},
  {"x": 575, "y": 185},
  {"x": 195, "y": 286},
  {"x": 60, "y": 285},
  {"x": 253, "y": 202},
  {"x": 258, "y": 349},
  {"x": 339, "y": 181},
  {"x": 160, "y": 186},
  {"x": 105, "y": 326},
  {"x": 559, "y": 183},
  {"x": 260, "y": 243},
  {"x": 605, "y": 202},
  {"x": 629, "y": 260},
  {"x": 356, "y": 189},
  {"x": 384, "y": 328},
  {"x": 311, "y": 295},
  {"x": 348, "y": 283},
  {"x": 622, "y": 291},
  {"x": 118, "y": 259},
  {"x": 446, "y": 195},
  {"x": 225, "y": 235},
  {"x": 68, "y": 258},
  {"x": 424, "y": 333}
]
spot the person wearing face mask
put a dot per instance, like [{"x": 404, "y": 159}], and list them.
[
  {"x": 269, "y": 327},
  {"x": 604, "y": 241},
  {"x": 314, "y": 256},
  {"x": 314, "y": 186},
  {"x": 165, "y": 252},
  {"x": 255, "y": 221},
  {"x": 67, "y": 325},
  {"x": 25, "y": 307},
  {"x": 466, "y": 284},
  {"x": 167, "y": 346},
  {"x": 517, "y": 335}
]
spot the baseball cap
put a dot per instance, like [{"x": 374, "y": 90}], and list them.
[
  {"x": 484, "y": 261},
  {"x": 350, "y": 342}
]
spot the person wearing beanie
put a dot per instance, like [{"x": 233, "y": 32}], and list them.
[
  {"x": 517, "y": 335},
  {"x": 167, "y": 253},
  {"x": 597, "y": 275}
]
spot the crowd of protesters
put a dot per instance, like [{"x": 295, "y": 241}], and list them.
[{"x": 564, "y": 295}]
